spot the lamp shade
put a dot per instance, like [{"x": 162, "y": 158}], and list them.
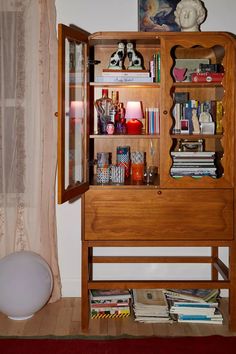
[{"x": 134, "y": 112}]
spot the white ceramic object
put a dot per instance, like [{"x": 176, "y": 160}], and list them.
[
  {"x": 25, "y": 284},
  {"x": 189, "y": 14}
]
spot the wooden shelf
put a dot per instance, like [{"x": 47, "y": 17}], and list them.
[
  {"x": 125, "y": 136},
  {"x": 197, "y": 84},
  {"x": 196, "y": 136},
  {"x": 126, "y": 84},
  {"x": 128, "y": 183}
]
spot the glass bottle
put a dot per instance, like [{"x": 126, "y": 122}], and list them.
[
  {"x": 114, "y": 111},
  {"x": 122, "y": 119},
  {"x": 103, "y": 106}
]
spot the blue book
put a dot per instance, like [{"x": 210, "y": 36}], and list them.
[{"x": 198, "y": 317}]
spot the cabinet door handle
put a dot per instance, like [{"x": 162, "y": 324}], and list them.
[{"x": 165, "y": 112}]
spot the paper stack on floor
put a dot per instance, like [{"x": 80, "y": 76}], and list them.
[
  {"x": 112, "y": 303},
  {"x": 194, "y": 305},
  {"x": 150, "y": 306}
]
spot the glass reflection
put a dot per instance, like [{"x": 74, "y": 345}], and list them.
[{"x": 75, "y": 96}]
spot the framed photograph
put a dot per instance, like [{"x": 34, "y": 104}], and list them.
[
  {"x": 207, "y": 128},
  {"x": 184, "y": 126},
  {"x": 157, "y": 15}
]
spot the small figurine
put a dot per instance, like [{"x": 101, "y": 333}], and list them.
[
  {"x": 117, "y": 58},
  {"x": 135, "y": 59},
  {"x": 189, "y": 14},
  {"x": 110, "y": 128},
  {"x": 196, "y": 126},
  {"x": 179, "y": 74}
]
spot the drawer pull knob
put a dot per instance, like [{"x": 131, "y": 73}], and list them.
[
  {"x": 159, "y": 192},
  {"x": 165, "y": 112}
]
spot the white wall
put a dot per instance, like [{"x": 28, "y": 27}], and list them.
[{"x": 122, "y": 15}]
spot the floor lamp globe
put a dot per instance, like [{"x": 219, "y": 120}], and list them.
[{"x": 26, "y": 284}]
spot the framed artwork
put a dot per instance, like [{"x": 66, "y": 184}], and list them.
[{"x": 157, "y": 15}]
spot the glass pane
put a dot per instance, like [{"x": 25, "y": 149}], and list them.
[
  {"x": 197, "y": 112},
  {"x": 75, "y": 97}
]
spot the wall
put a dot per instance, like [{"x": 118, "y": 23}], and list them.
[{"x": 122, "y": 15}]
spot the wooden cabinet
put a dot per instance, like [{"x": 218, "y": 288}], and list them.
[
  {"x": 183, "y": 207},
  {"x": 155, "y": 214}
]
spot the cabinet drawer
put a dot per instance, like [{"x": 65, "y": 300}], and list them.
[{"x": 112, "y": 214}]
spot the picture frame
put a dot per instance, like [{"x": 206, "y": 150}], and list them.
[
  {"x": 191, "y": 145},
  {"x": 157, "y": 16},
  {"x": 184, "y": 126},
  {"x": 207, "y": 128}
]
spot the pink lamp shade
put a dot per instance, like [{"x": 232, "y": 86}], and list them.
[{"x": 133, "y": 113}]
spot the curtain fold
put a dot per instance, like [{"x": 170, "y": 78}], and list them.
[{"x": 28, "y": 100}]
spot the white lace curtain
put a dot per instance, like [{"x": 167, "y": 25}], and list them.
[{"x": 28, "y": 94}]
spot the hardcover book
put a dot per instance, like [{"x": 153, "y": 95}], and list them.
[
  {"x": 109, "y": 294},
  {"x": 130, "y": 73},
  {"x": 198, "y": 295}
]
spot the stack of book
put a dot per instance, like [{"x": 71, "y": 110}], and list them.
[
  {"x": 109, "y": 303},
  {"x": 152, "y": 117},
  {"x": 183, "y": 110},
  {"x": 193, "y": 163},
  {"x": 111, "y": 75},
  {"x": 150, "y": 306},
  {"x": 194, "y": 305},
  {"x": 155, "y": 67}
]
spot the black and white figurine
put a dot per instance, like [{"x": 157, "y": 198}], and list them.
[
  {"x": 135, "y": 58},
  {"x": 117, "y": 58}
]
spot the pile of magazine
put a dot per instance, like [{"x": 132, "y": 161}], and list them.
[
  {"x": 194, "y": 163},
  {"x": 150, "y": 306},
  {"x": 112, "y": 303},
  {"x": 194, "y": 305}
]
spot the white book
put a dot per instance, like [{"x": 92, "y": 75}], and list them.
[
  {"x": 112, "y": 294},
  {"x": 193, "y": 153},
  {"x": 129, "y": 73},
  {"x": 193, "y": 311},
  {"x": 195, "y": 304},
  {"x": 193, "y": 169},
  {"x": 122, "y": 79},
  {"x": 215, "y": 322}
]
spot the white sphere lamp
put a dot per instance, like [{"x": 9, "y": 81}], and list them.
[{"x": 26, "y": 284}]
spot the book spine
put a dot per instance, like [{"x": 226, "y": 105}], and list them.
[
  {"x": 219, "y": 115},
  {"x": 122, "y": 79},
  {"x": 126, "y": 74},
  {"x": 199, "y": 317},
  {"x": 195, "y": 304},
  {"x": 105, "y": 315}
]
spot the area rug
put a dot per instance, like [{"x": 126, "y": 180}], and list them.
[{"x": 150, "y": 345}]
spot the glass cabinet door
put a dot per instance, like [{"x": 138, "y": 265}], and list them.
[
  {"x": 197, "y": 144},
  {"x": 72, "y": 111}
]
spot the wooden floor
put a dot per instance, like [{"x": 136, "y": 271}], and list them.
[{"x": 63, "y": 318}]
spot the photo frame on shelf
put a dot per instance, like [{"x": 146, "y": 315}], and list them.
[
  {"x": 157, "y": 16},
  {"x": 208, "y": 128},
  {"x": 184, "y": 126}
]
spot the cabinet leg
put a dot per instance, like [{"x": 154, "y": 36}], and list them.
[
  {"x": 232, "y": 291},
  {"x": 214, "y": 255},
  {"x": 85, "y": 292}
]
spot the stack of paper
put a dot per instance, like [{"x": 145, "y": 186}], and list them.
[
  {"x": 194, "y": 305},
  {"x": 150, "y": 306}
]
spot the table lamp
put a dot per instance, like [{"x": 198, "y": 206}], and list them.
[{"x": 133, "y": 115}]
